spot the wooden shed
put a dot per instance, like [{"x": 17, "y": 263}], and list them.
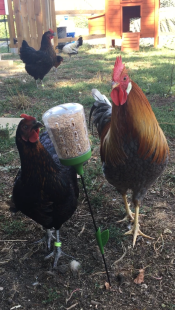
[{"x": 119, "y": 14}]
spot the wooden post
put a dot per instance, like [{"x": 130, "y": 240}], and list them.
[
  {"x": 156, "y": 23},
  {"x": 43, "y": 5},
  {"x": 11, "y": 24},
  {"x": 32, "y": 24},
  {"x": 39, "y": 21},
  {"x": 25, "y": 22},
  {"x": 53, "y": 20},
  {"x": 19, "y": 28}
]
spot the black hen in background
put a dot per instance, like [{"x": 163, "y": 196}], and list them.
[
  {"x": 44, "y": 189},
  {"x": 38, "y": 63}
]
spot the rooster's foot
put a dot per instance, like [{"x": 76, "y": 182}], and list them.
[
  {"x": 129, "y": 216},
  {"x": 135, "y": 231}
]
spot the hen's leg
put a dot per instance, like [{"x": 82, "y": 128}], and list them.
[
  {"x": 135, "y": 230},
  {"x": 57, "y": 250},
  {"x": 129, "y": 213},
  {"x": 47, "y": 238},
  {"x": 42, "y": 84}
]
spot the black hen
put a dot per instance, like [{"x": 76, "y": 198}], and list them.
[
  {"x": 44, "y": 189},
  {"x": 38, "y": 63}
]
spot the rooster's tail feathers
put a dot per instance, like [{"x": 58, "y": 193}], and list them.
[{"x": 100, "y": 111}]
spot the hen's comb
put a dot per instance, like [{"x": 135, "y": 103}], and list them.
[
  {"x": 119, "y": 67},
  {"x": 28, "y": 117},
  {"x": 51, "y": 30}
]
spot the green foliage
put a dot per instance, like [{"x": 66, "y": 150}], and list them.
[
  {"x": 4, "y": 28},
  {"x": 116, "y": 233},
  {"x": 52, "y": 295},
  {"x": 11, "y": 227},
  {"x": 7, "y": 151}
]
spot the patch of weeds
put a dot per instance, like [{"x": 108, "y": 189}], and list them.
[
  {"x": 52, "y": 295},
  {"x": 166, "y": 116},
  {"x": 94, "y": 141},
  {"x": 116, "y": 233},
  {"x": 7, "y": 151},
  {"x": 10, "y": 228},
  {"x": 1, "y": 188},
  {"x": 98, "y": 200},
  {"x": 91, "y": 173}
]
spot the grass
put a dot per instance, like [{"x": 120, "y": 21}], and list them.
[
  {"x": 151, "y": 68},
  {"x": 12, "y": 227}
]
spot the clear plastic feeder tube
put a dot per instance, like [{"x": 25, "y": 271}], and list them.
[{"x": 66, "y": 125}]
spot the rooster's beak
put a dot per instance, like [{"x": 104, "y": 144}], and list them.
[{"x": 115, "y": 84}]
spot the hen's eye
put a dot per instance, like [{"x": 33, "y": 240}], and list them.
[
  {"x": 25, "y": 127},
  {"x": 124, "y": 78}
]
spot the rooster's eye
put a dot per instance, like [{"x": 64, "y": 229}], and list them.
[{"x": 124, "y": 78}]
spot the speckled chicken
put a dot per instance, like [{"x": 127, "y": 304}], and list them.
[
  {"x": 134, "y": 150},
  {"x": 44, "y": 189}
]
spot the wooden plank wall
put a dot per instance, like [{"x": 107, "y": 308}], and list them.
[
  {"x": 113, "y": 18},
  {"x": 148, "y": 19},
  {"x": 28, "y": 20},
  {"x": 97, "y": 25}
]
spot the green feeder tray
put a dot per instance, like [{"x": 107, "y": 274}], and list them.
[{"x": 77, "y": 162}]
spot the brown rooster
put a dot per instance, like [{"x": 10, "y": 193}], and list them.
[
  {"x": 44, "y": 189},
  {"x": 134, "y": 150},
  {"x": 38, "y": 63}
]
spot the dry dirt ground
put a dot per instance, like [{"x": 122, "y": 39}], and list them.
[{"x": 27, "y": 281}]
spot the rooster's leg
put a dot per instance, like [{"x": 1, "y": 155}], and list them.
[
  {"x": 129, "y": 213},
  {"x": 135, "y": 230}
]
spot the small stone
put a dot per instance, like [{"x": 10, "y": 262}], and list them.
[{"x": 167, "y": 231}]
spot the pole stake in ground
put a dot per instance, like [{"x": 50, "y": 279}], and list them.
[{"x": 66, "y": 125}]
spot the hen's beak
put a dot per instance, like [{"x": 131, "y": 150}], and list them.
[
  {"x": 115, "y": 84},
  {"x": 38, "y": 125},
  {"x": 56, "y": 47}
]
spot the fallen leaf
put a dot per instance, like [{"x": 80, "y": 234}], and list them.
[
  {"x": 140, "y": 277},
  {"x": 107, "y": 286}
]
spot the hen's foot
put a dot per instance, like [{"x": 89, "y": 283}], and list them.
[
  {"x": 57, "y": 253},
  {"x": 47, "y": 238}
]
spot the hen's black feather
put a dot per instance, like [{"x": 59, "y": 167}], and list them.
[
  {"x": 44, "y": 189},
  {"x": 38, "y": 63}
]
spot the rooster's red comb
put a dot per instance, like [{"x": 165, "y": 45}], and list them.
[
  {"x": 119, "y": 68},
  {"x": 51, "y": 30},
  {"x": 28, "y": 117}
]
